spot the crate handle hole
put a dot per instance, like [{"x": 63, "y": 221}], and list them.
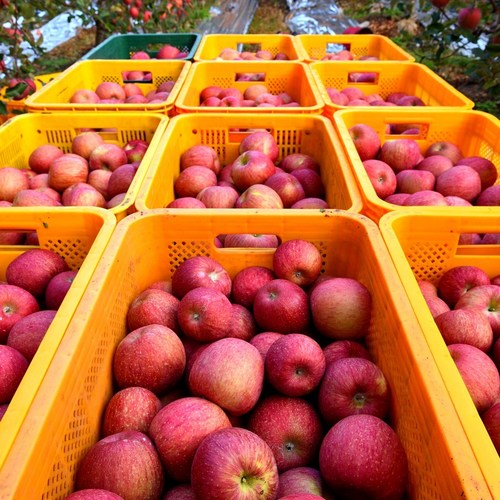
[
  {"x": 250, "y": 77},
  {"x": 248, "y": 47},
  {"x": 257, "y": 241},
  {"x": 370, "y": 77},
  {"x": 137, "y": 76},
  {"x": 236, "y": 135},
  {"x": 417, "y": 131}
]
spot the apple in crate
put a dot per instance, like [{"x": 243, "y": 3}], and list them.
[
  {"x": 234, "y": 463},
  {"x": 302, "y": 481},
  {"x": 376, "y": 467},
  {"x": 341, "y": 308},
  {"x": 382, "y": 177},
  {"x": 152, "y": 357},
  {"x": 298, "y": 261},
  {"x": 251, "y": 167},
  {"x": 341, "y": 349},
  {"x": 15, "y": 303},
  {"x": 27, "y": 334},
  {"x": 108, "y": 156},
  {"x": 366, "y": 141},
  {"x": 178, "y": 429},
  {"x": 251, "y": 241},
  {"x": 401, "y": 154},
  {"x": 192, "y": 180},
  {"x": 490, "y": 197},
  {"x": 93, "y": 494},
  {"x": 230, "y": 373},
  {"x": 291, "y": 427},
  {"x": 479, "y": 373},
  {"x": 261, "y": 141},
  {"x": 67, "y": 170},
  {"x": 491, "y": 420},
  {"x": 131, "y": 409},
  {"x": 180, "y": 492},
  {"x": 243, "y": 325},
  {"x": 13, "y": 366},
  {"x": 311, "y": 182},
  {"x": 353, "y": 386},
  {"x": 12, "y": 180},
  {"x": 125, "y": 463},
  {"x": 85, "y": 142},
  {"x": 259, "y": 196},
  {"x": 281, "y": 306}
]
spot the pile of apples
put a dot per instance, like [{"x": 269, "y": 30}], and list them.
[
  {"x": 126, "y": 93},
  {"x": 440, "y": 176},
  {"x": 229, "y": 54},
  {"x": 252, "y": 180},
  {"x": 254, "y": 386},
  {"x": 354, "y": 96},
  {"x": 167, "y": 51},
  {"x": 257, "y": 95},
  {"x": 36, "y": 283},
  {"x": 465, "y": 305},
  {"x": 346, "y": 55},
  {"x": 96, "y": 173}
]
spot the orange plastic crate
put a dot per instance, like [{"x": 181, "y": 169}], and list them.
[
  {"x": 310, "y": 134},
  {"x": 80, "y": 237},
  {"x": 65, "y": 418},
  {"x": 425, "y": 245},
  {"x": 211, "y": 45},
  {"x": 315, "y": 47},
  {"x": 475, "y": 132},
  {"x": 412, "y": 78},
  {"x": 20, "y": 136},
  {"x": 88, "y": 74},
  {"x": 291, "y": 77}
]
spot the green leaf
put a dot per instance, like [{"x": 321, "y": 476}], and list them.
[
  {"x": 16, "y": 90},
  {"x": 3, "y": 108}
]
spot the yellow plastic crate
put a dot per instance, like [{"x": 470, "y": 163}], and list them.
[
  {"x": 88, "y": 74},
  {"x": 65, "y": 419},
  {"x": 309, "y": 134},
  {"x": 424, "y": 246},
  {"x": 79, "y": 236},
  {"x": 15, "y": 108},
  {"x": 314, "y": 47},
  {"x": 475, "y": 132},
  {"x": 291, "y": 77},
  {"x": 212, "y": 44},
  {"x": 412, "y": 78},
  {"x": 21, "y": 135}
]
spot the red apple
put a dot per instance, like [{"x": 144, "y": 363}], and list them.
[
  {"x": 247, "y": 240},
  {"x": 167, "y": 52},
  {"x": 398, "y": 198},
  {"x": 204, "y": 314},
  {"x": 210, "y": 91},
  {"x": 34, "y": 198},
  {"x": 490, "y": 197},
  {"x": 251, "y": 92},
  {"x": 153, "y": 306},
  {"x": 242, "y": 323},
  {"x": 341, "y": 349},
  {"x": 93, "y": 494},
  {"x": 84, "y": 96},
  {"x": 465, "y": 326},
  {"x": 479, "y": 373},
  {"x": 353, "y": 386},
  {"x": 198, "y": 271},
  {"x": 42, "y": 156},
  {"x": 12, "y": 180},
  {"x": 67, "y": 170},
  {"x": 456, "y": 201},
  {"x": 484, "y": 298},
  {"x": 298, "y": 261},
  {"x": 135, "y": 149},
  {"x": 82, "y": 194},
  {"x": 425, "y": 198},
  {"x": 287, "y": 186},
  {"x": 311, "y": 183},
  {"x": 131, "y": 409},
  {"x": 259, "y": 196},
  {"x": 192, "y": 180},
  {"x": 436, "y": 164},
  {"x": 376, "y": 466},
  {"x": 39, "y": 181},
  {"x": 218, "y": 196},
  {"x": 110, "y": 90},
  {"x": 295, "y": 364},
  {"x": 120, "y": 179},
  {"x": 281, "y": 306},
  {"x": 246, "y": 469},
  {"x": 301, "y": 481},
  {"x": 141, "y": 54},
  {"x": 187, "y": 202},
  {"x": 108, "y": 156},
  {"x": 458, "y": 280},
  {"x": 382, "y": 177},
  {"x": 436, "y": 305},
  {"x": 291, "y": 427},
  {"x": 461, "y": 181},
  {"x": 401, "y": 154},
  {"x": 126, "y": 463},
  {"x": 412, "y": 181},
  {"x": 311, "y": 203},
  {"x": 58, "y": 287},
  {"x": 230, "y": 373},
  {"x": 251, "y": 167},
  {"x": 13, "y": 366},
  {"x": 132, "y": 89},
  {"x": 152, "y": 357},
  {"x": 366, "y": 141},
  {"x": 491, "y": 420},
  {"x": 484, "y": 167},
  {"x": 261, "y": 141},
  {"x": 247, "y": 282},
  {"x": 34, "y": 268},
  {"x": 445, "y": 148},
  {"x": 353, "y": 93},
  {"x": 263, "y": 341},
  {"x": 180, "y": 492},
  {"x": 341, "y": 308},
  {"x": 178, "y": 429},
  {"x": 469, "y": 18},
  {"x": 85, "y": 142}
]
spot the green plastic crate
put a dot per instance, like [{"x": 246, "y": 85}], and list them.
[{"x": 123, "y": 46}]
